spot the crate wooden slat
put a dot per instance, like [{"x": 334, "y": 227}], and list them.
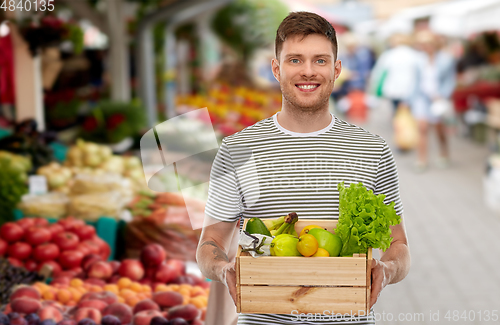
[
  {"x": 282, "y": 284},
  {"x": 303, "y": 299},
  {"x": 346, "y": 271}
]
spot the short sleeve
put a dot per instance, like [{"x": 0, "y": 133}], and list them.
[
  {"x": 387, "y": 181},
  {"x": 224, "y": 199}
]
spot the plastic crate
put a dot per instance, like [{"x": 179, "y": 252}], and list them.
[{"x": 106, "y": 228}]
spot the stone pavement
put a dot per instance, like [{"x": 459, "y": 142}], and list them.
[{"x": 454, "y": 239}]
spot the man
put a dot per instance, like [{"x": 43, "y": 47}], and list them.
[{"x": 293, "y": 161}]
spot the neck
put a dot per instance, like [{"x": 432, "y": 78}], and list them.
[{"x": 301, "y": 121}]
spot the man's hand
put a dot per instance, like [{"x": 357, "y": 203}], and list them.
[
  {"x": 380, "y": 278},
  {"x": 394, "y": 263},
  {"x": 229, "y": 279}
]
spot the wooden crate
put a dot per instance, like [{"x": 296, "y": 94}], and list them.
[{"x": 282, "y": 284}]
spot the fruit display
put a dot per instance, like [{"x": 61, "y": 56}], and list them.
[
  {"x": 162, "y": 218},
  {"x": 63, "y": 246},
  {"x": 11, "y": 276},
  {"x": 91, "y": 158},
  {"x": 233, "y": 108},
  {"x": 150, "y": 290}
]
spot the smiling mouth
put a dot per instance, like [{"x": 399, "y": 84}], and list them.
[{"x": 307, "y": 87}]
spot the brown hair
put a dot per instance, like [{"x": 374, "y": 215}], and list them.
[{"x": 304, "y": 23}]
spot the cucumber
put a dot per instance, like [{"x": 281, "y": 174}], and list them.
[{"x": 256, "y": 226}]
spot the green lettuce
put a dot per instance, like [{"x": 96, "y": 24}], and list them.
[{"x": 364, "y": 220}]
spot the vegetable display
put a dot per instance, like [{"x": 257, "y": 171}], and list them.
[{"x": 364, "y": 219}]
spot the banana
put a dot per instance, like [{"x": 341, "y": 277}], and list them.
[
  {"x": 288, "y": 227},
  {"x": 274, "y": 224}
]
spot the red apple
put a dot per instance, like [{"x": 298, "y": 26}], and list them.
[
  {"x": 131, "y": 269},
  {"x": 100, "y": 270},
  {"x": 178, "y": 264},
  {"x": 115, "y": 265},
  {"x": 153, "y": 255},
  {"x": 88, "y": 260},
  {"x": 165, "y": 273}
]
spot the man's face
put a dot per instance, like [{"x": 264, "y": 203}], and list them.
[{"x": 306, "y": 71}]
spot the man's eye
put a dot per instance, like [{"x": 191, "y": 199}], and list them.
[
  {"x": 321, "y": 61},
  {"x": 294, "y": 60}
]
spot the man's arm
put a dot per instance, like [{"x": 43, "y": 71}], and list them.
[
  {"x": 212, "y": 251},
  {"x": 394, "y": 263}
]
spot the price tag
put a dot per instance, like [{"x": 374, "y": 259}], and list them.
[{"x": 37, "y": 184}]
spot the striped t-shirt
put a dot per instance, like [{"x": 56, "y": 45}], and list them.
[{"x": 267, "y": 171}]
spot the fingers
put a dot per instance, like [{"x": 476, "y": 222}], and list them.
[{"x": 377, "y": 280}]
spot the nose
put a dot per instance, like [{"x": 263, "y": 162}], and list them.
[{"x": 308, "y": 70}]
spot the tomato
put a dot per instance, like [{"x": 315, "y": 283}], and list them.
[
  {"x": 42, "y": 222},
  {"x": 37, "y": 236},
  {"x": 53, "y": 265},
  {"x": 70, "y": 259},
  {"x": 307, "y": 245},
  {"x": 70, "y": 222},
  {"x": 55, "y": 229},
  {"x": 31, "y": 265},
  {"x": 3, "y": 247},
  {"x": 11, "y": 232},
  {"x": 46, "y": 252},
  {"x": 25, "y": 223},
  {"x": 94, "y": 247},
  {"x": 66, "y": 240},
  {"x": 83, "y": 232},
  {"x": 83, "y": 248},
  {"x": 15, "y": 262},
  {"x": 19, "y": 250}
]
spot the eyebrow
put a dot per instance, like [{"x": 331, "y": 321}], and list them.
[{"x": 300, "y": 55}]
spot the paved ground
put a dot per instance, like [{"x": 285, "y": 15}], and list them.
[{"x": 454, "y": 240}]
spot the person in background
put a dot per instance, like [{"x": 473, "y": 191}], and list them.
[
  {"x": 395, "y": 73},
  {"x": 437, "y": 78}
]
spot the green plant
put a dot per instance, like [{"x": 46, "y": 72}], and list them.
[
  {"x": 12, "y": 188},
  {"x": 246, "y": 25},
  {"x": 111, "y": 122}
]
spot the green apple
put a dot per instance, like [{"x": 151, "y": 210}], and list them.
[{"x": 326, "y": 240}]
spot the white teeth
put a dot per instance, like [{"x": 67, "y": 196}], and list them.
[{"x": 307, "y": 86}]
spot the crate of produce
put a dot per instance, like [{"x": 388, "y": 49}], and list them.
[{"x": 289, "y": 284}]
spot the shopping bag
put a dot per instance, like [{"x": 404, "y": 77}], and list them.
[
  {"x": 405, "y": 128},
  {"x": 442, "y": 108}
]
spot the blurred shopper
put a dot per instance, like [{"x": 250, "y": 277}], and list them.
[
  {"x": 395, "y": 73},
  {"x": 436, "y": 83},
  {"x": 357, "y": 61}
]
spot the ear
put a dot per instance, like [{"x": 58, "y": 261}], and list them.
[
  {"x": 338, "y": 69},
  {"x": 275, "y": 66}
]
